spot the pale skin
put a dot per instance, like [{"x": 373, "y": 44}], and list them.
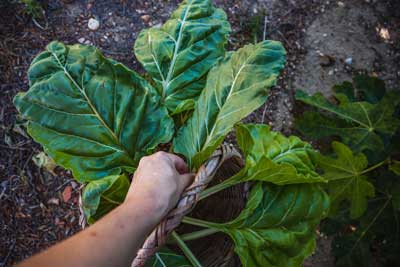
[{"x": 114, "y": 240}]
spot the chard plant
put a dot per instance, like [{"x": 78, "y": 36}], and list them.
[
  {"x": 97, "y": 118},
  {"x": 362, "y": 169}
]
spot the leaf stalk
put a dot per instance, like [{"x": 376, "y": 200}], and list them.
[
  {"x": 186, "y": 250},
  {"x": 199, "y": 234},
  {"x": 374, "y": 167},
  {"x": 216, "y": 188},
  {"x": 201, "y": 223}
]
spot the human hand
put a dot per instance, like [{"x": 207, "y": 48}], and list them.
[{"x": 159, "y": 182}]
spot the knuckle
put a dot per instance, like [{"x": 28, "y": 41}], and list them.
[
  {"x": 160, "y": 154},
  {"x": 143, "y": 160}
]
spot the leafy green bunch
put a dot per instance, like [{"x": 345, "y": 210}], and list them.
[
  {"x": 362, "y": 171},
  {"x": 97, "y": 117}
]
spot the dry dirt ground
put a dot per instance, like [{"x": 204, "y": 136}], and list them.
[{"x": 327, "y": 42}]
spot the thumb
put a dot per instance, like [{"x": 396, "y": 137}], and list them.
[{"x": 185, "y": 180}]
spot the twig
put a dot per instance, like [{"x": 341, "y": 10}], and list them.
[
  {"x": 61, "y": 186},
  {"x": 8, "y": 254},
  {"x": 263, "y": 114},
  {"x": 14, "y": 148},
  {"x": 265, "y": 27}
]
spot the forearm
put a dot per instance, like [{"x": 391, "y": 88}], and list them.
[{"x": 112, "y": 241}]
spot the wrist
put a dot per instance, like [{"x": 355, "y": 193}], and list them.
[{"x": 152, "y": 207}]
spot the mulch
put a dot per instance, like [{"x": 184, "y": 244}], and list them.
[{"x": 34, "y": 212}]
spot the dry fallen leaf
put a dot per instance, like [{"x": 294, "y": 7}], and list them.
[
  {"x": 44, "y": 161},
  {"x": 54, "y": 201},
  {"x": 66, "y": 194}
]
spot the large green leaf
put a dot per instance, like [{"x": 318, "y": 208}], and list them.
[
  {"x": 92, "y": 115},
  {"x": 235, "y": 87},
  {"x": 363, "y": 87},
  {"x": 180, "y": 53},
  {"x": 359, "y": 124},
  {"x": 273, "y": 157},
  {"x": 371, "y": 89},
  {"x": 346, "y": 179},
  {"x": 101, "y": 196},
  {"x": 277, "y": 226},
  {"x": 167, "y": 258}
]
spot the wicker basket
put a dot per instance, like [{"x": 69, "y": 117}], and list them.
[{"x": 215, "y": 250}]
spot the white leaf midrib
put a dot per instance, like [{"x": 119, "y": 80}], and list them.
[
  {"x": 166, "y": 82},
  {"x": 235, "y": 77}
]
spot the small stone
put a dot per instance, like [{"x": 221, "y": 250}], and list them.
[
  {"x": 340, "y": 4},
  {"x": 81, "y": 40},
  {"x": 93, "y": 24},
  {"x": 348, "y": 61},
  {"x": 330, "y": 72},
  {"x": 87, "y": 42},
  {"x": 54, "y": 201},
  {"x": 117, "y": 38},
  {"x": 145, "y": 18}
]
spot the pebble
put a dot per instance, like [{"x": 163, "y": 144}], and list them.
[
  {"x": 93, "y": 24},
  {"x": 81, "y": 40},
  {"x": 145, "y": 18},
  {"x": 348, "y": 61},
  {"x": 54, "y": 201},
  {"x": 340, "y": 3}
]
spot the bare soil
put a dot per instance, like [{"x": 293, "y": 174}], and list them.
[{"x": 320, "y": 36}]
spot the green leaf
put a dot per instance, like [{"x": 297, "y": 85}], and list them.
[
  {"x": 359, "y": 124},
  {"x": 372, "y": 88},
  {"x": 101, "y": 196},
  {"x": 351, "y": 254},
  {"x": 346, "y": 179},
  {"x": 167, "y": 258},
  {"x": 367, "y": 88},
  {"x": 395, "y": 167},
  {"x": 92, "y": 115},
  {"x": 277, "y": 226},
  {"x": 180, "y": 53},
  {"x": 347, "y": 89},
  {"x": 235, "y": 87},
  {"x": 273, "y": 157}
]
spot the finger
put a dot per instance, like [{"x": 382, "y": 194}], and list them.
[
  {"x": 179, "y": 163},
  {"x": 185, "y": 180}
]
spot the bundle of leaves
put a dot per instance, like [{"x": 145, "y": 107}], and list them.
[
  {"x": 362, "y": 171},
  {"x": 97, "y": 118}
]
